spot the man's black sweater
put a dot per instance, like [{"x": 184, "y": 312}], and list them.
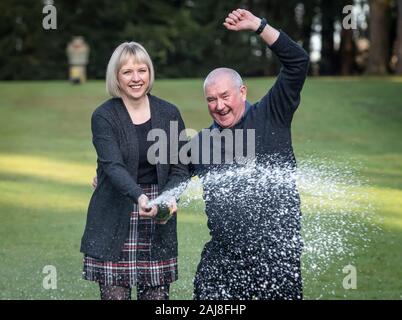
[{"x": 231, "y": 215}]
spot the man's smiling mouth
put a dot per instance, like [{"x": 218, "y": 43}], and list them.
[{"x": 223, "y": 113}]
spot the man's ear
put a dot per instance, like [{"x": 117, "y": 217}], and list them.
[{"x": 243, "y": 92}]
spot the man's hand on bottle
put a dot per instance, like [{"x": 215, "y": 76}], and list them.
[{"x": 95, "y": 182}]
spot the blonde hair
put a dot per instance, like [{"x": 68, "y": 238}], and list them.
[{"x": 120, "y": 56}]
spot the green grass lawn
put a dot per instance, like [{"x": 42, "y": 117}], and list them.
[{"x": 47, "y": 162}]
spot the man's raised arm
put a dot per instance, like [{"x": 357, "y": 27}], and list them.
[
  {"x": 284, "y": 97},
  {"x": 242, "y": 19}
]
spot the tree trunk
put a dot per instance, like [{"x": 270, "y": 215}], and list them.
[
  {"x": 398, "y": 46},
  {"x": 379, "y": 43},
  {"x": 327, "y": 62},
  {"x": 347, "y": 52},
  {"x": 306, "y": 27}
]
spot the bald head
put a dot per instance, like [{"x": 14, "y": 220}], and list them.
[{"x": 219, "y": 74}]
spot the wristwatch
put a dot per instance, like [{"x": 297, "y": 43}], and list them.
[{"x": 262, "y": 26}]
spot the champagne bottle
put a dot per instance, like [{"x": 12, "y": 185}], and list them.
[{"x": 164, "y": 212}]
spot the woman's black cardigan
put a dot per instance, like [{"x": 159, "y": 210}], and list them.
[{"x": 115, "y": 141}]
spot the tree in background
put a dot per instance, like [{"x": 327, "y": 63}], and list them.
[
  {"x": 347, "y": 52},
  {"x": 22, "y": 55},
  {"x": 379, "y": 41},
  {"x": 348, "y": 48},
  {"x": 329, "y": 12},
  {"x": 308, "y": 10},
  {"x": 168, "y": 32},
  {"x": 186, "y": 38},
  {"x": 398, "y": 42}
]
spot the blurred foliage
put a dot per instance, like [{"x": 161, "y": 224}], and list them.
[{"x": 185, "y": 38}]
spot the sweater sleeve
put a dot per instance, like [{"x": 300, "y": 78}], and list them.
[
  {"x": 111, "y": 159},
  {"x": 283, "y": 98}
]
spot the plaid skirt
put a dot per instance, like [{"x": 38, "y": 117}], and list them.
[{"x": 135, "y": 265}]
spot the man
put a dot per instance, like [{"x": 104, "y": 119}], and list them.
[
  {"x": 253, "y": 214},
  {"x": 253, "y": 208}
]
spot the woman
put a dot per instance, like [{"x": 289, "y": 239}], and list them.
[{"x": 123, "y": 245}]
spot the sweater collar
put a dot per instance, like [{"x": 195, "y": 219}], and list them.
[{"x": 125, "y": 117}]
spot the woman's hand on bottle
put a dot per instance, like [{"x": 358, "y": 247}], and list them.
[{"x": 143, "y": 209}]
